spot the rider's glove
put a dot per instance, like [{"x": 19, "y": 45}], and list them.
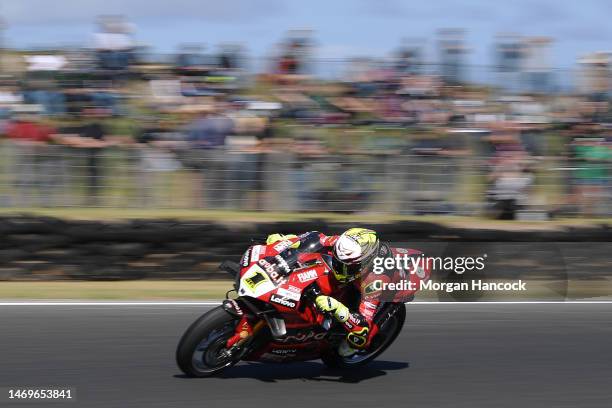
[
  {"x": 328, "y": 304},
  {"x": 357, "y": 326}
]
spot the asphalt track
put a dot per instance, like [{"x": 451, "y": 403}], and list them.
[{"x": 448, "y": 355}]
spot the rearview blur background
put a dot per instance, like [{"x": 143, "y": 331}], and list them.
[{"x": 394, "y": 110}]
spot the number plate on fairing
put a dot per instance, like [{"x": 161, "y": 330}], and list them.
[{"x": 255, "y": 282}]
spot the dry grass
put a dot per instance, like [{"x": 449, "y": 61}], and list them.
[
  {"x": 265, "y": 216},
  {"x": 133, "y": 290},
  {"x": 205, "y": 290}
]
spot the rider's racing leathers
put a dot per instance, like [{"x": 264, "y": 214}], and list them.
[{"x": 358, "y": 323}]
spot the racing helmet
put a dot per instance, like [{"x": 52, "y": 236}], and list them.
[{"x": 353, "y": 252}]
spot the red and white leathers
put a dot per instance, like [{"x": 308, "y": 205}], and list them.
[{"x": 358, "y": 323}]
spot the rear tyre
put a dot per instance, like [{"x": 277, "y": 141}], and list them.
[
  {"x": 386, "y": 335},
  {"x": 199, "y": 352}
]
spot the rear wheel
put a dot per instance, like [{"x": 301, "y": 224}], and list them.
[
  {"x": 386, "y": 335},
  {"x": 201, "y": 351}
]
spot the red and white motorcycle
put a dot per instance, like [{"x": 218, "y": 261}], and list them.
[{"x": 273, "y": 319}]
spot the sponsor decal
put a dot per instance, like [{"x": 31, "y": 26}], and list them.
[
  {"x": 283, "y": 351},
  {"x": 354, "y": 320},
  {"x": 307, "y": 276},
  {"x": 294, "y": 289},
  {"x": 246, "y": 258},
  {"x": 369, "y": 305},
  {"x": 368, "y": 310},
  {"x": 256, "y": 252},
  {"x": 236, "y": 307},
  {"x": 401, "y": 250},
  {"x": 288, "y": 294},
  {"x": 303, "y": 337},
  {"x": 268, "y": 267},
  {"x": 368, "y": 313},
  {"x": 270, "y": 270},
  {"x": 282, "y": 263},
  {"x": 282, "y": 301},
  {"x": 281, "y": 246}
]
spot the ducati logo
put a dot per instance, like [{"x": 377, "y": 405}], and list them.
[{"x": 303, "y": 337}]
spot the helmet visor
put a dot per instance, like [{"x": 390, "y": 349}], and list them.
[{"x": 346, "y": 272}]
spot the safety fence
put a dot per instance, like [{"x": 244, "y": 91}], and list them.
[{"x": 152, "y": 177}]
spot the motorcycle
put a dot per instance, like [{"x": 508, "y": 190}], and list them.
[{"x": 273, "y": 319}]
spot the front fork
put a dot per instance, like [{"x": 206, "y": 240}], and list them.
[
  {"x": 234, "y": 344},
  {"x": 244, "y": 331}
]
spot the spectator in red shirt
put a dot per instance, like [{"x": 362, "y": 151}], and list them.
[
  {"x": 30, "y": 132},
  {"x": 32, "y": 164}
]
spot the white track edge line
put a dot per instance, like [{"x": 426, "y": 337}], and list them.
[{"x": 186, "y": 303}]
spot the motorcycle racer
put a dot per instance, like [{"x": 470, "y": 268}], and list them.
[
  {"x": 352, "y": 254},
  {"x": 337, "y": 298}
]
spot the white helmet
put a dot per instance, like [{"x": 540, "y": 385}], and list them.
[{"x": 353, "y": 251}]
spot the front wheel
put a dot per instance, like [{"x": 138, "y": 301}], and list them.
[
  {"x": 201, "y": 350},
  {"x": 387, "y": 333}
]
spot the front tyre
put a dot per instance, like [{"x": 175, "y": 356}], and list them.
[
  {"x": 386, "y": 335},
  {"x": 200, "y": 352}
]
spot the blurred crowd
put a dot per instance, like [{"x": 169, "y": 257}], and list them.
[{"x": 109, "y": 126}]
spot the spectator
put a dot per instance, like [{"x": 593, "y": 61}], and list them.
[
  {"x": 510, "y": 180},
  {"x": 206, "y": 137},
  {"x": 243, "y": 163},
  {"x": 431, "y": 172},
  {"x": 35, "y": 163},
  {"x": 592, "y": 157},
  {"x": 92, "y": 138},
  {"x": 156, "y": 143},
  {"x": 304, "y": 180},
  {"x": 113, "y": 43}
]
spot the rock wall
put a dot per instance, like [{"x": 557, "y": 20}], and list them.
[{"x": 40, "y": 248}]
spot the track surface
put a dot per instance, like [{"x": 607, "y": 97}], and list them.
[{"x": 547, "y": 355}]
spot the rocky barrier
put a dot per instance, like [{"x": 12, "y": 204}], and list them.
[{"x": 41, "y": 248}]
